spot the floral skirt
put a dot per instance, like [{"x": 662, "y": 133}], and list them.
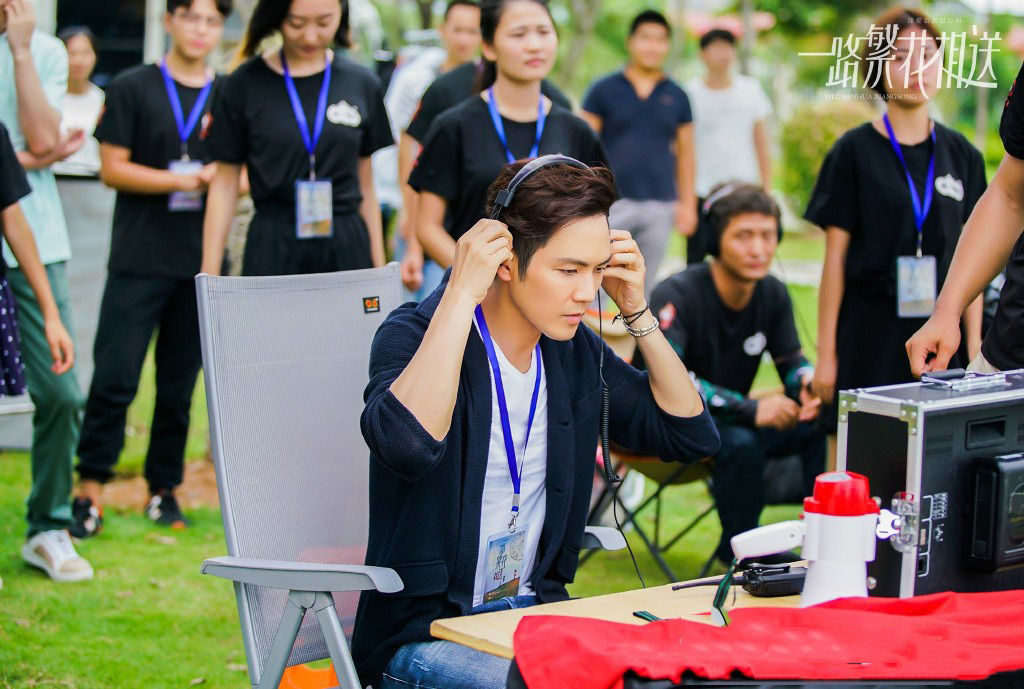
[{"x": 12, "y": 368}]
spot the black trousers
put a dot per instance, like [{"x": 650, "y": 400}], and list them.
[
  {"x": 739, "y": 472},
  {"x": 697, "y": 245},
  {"x": 133, "y": 307}
]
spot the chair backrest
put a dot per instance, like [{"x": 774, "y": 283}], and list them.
[{"x": 286, "y": 362}]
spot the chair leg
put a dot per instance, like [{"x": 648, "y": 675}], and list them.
[
  {"x": 334, "y": 636},
  {"x": 284, "y": 640},
  {"x": 652, "y": 548}
]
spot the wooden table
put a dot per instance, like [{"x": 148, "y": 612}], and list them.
[{"x": 492, "y": 632}]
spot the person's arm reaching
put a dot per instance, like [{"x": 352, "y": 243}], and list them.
[
  {"x": 971, "y": 322},
  {"x": 221, "y": 200},
  {"x": 762, "y": 144},
  {"x": 370, "y": 210},
  {"x": 436, "y": 241},
  {"x": 686, "y": 175},
  {"x": 830, "y": 297},
  {"x": 38, "y": 119},
  {"x": 19, "y": 237},
  {"x": 983, "y": 249}
]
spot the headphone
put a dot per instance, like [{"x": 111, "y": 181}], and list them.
[
  {"x": 501, "y": 203},
  {"x": 715, "y": 235},
  {"x": 504, "y": 198}
]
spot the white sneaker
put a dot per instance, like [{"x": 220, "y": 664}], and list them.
[{"x": 53, "y": 552}]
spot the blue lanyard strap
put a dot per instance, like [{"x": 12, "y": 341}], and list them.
[
  {"x": 920, "y": 209},
  {"x": 300, "y": 115},
  {"x": 514, "y": 470},
  {"x": 184, "y": 128},
  {"x": 492, "y": 107}
]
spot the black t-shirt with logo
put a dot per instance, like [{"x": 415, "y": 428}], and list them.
[
  {"x": 1004, "y": 343},
  {"x": 718, "y": 344},
  {"x": 148, "y": 238},
  {"x": 862, "y": 189},
  {"x": 13, "y": 182},
  {"x": 253, "y": 123},
  {"x": 454, "y": 87},
  {"x": 463, "y": 155}
]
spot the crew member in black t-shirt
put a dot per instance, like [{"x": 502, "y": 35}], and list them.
[
  {"x": 992, "y": 239},
  {"x": 151, "y": 153},
  {"x": 305, "y": 122},
  {"x": 457, "y": 85},
  {"x": 511, "y": 119},
  {"x": 888, "y": 242},
  {"x": 721, "y": 318}
]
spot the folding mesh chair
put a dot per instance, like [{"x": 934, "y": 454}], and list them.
[
  {"x": 285, "y": 362},
  {"x": 664, "y": 475}
]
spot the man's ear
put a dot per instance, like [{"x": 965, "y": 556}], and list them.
[{"x": 508, "y": 271}]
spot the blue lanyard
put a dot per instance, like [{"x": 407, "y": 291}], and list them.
[
  {"x": 492, "y": 106},
  {"x": 300, "y": 114},
  {"x": 184, "y": 128},
  {"x": 506, "y": 429},
  {"x": 920, "y": 210}
]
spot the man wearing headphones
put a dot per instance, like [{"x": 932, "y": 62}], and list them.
[
  {"x": 720, "y": 319},
  {"x": 482, "y": 418}
]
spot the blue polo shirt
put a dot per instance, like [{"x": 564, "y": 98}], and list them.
[{"x": 638, "y": 135}]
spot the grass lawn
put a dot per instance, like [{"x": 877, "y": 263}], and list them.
[{"x": 149, "y": 619}]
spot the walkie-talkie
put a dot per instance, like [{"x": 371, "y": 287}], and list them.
[{"x": 762, "y": 581}]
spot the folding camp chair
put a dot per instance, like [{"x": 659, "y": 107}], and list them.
[
  {"x": 285, "y": 362},
  {"x": 664, "y": 475}
]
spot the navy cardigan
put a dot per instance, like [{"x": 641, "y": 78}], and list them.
[{"x": 425, "y": 494}]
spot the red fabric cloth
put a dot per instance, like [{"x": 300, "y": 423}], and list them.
[{"x": 941, "y": 636}]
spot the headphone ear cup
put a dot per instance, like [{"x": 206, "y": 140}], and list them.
[{"x": 713, "y": 245}]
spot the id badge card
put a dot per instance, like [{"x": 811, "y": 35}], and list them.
[
  {"x": 503, "y": 568},
  {"x": 314, "y": 209},
  {"x": 915, "y": 286},
  {"x": 185, "y": 200}
]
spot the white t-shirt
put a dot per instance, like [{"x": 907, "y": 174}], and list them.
[
  {"x": 401, "y": 101},
  {"x": 723, "y": 122},
  {"x": 81, "y": 111},
  {"x": 496, "y": 505}
]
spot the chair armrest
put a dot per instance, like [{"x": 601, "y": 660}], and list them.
[
  {"x": 603, "y": 537},
  {"x": 303, "y": 576}
]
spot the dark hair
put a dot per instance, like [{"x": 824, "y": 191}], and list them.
[
  {"x": 490, "y": 17},
  {"x": 223, "y": 6},
  {"x": 649, "y": 17},
  {"x": 900, "y": 18},
  {"x": 268, "y": 17},
  {"x": 731, "y": 199},
  {"x": 69, "y": 32},
  {"x": 713, "y": 35},
  {"x": 548, "y": 200},
  {"x": 455, "y": 3}
]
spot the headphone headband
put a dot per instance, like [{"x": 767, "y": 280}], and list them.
[
  {"x": 504, "y": 198},
  {"x": 724, "y": 191}
]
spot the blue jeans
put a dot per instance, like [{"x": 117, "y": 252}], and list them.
[{"x": 448, "y": 665}]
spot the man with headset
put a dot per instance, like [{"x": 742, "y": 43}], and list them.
[
  {"x": 720, "y": 318},
  {"x": 483, "y": 413}
]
